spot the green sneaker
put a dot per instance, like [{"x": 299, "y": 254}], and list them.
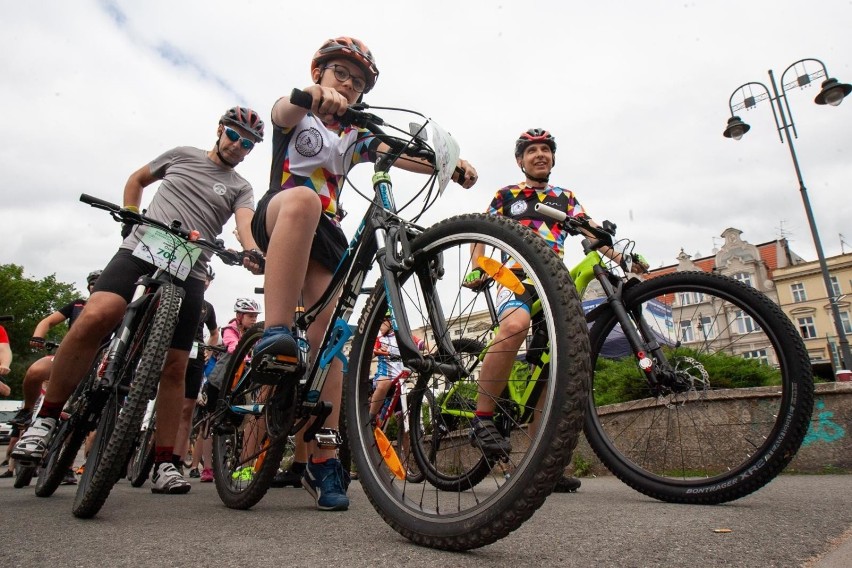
[{"x": 245, "y": 473}]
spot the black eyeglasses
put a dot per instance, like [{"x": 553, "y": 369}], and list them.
[
  {"x": 341, "y": 73},
  {"x": 234, "y": 136}
]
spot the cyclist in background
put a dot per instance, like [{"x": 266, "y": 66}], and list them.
[
  {"x": 38, "y": 374},
  {"x": 200, "y": 189},
  {"x": 297, "y": 223},
  {"x": 194, "y": 374},
  {"x": 535, "y": 154}
]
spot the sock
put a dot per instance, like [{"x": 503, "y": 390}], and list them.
[
  {"x": 163, "y": 454},
  {"x": 50, "y": 409},
  {"x": 318, "y": 461},
  {"x": 481, "y": 415},
  {"x": 177, "y": 461}
]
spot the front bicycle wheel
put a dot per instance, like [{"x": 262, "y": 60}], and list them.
[
  {"x": 542, "y": 428},
  {"x": 23, "y": 475},
  {"x": 250, "y": 428},
  {"x": 141, "y": 369},
  {"x": 734, "y": 400}
]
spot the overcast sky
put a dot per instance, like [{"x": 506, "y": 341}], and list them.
[{"x": 636, "y": 94}]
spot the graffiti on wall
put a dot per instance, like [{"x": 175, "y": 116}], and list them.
[{"x": 823, "y": 429}]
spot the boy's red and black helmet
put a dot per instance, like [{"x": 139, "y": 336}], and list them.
[
  {"x": 354, "y": 50},
  {"x": 534, "y": 136},
  {"x": 246, "y": 119}
]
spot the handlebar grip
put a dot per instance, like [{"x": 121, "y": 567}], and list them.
[
  {"x": 95, "y": 202},
  {"x": 301, "y": 99},
  {"x": 550, "y": 212},
  {"x": 7, "y": 318}
]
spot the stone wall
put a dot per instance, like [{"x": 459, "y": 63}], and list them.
[{"x": 827, "y": 447}]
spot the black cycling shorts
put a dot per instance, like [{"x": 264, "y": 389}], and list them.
[
  {"x": 120, "y": 276},
  {"x": 194, "y": 375},
  {"x": 329, "y": 241}
]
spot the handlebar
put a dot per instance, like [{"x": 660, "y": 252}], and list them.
[
  {"x": 356, "y": 115},
  {"x": 603, "y": 235},
  {"x": 217, "y": 247},
  {"x": 4, "y": 319}
]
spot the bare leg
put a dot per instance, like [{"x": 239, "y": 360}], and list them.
[{"x": 498, "y": 362}]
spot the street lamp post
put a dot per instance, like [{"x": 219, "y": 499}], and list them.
[{"x": 832, "y": 93}]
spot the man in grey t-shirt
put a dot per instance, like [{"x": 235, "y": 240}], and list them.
[{"x": 201, "y": 190}]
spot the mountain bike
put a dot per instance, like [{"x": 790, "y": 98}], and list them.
[
  {"x": 393, "y": 421},
  {"x": 702, "y": 389},
  {"x": 113, "y": 399},
  {"x": 420, "y": 271}
]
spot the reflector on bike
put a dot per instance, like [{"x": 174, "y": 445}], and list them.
[
  {"x": 389, "y": 454},
  {"x": 498, "y": 271}
]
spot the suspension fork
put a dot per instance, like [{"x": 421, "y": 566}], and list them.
[{"x": 642, "y": 349}]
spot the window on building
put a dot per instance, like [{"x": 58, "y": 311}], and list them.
[
  {"x": 745, "y": 324},
  {"x": 807, "y": 328},
  {"x": 688, "y": 298},
  {"x": 845, "y": 322},
  {"x": 798, "y": 292},
  {"x": 835, "y": 287},
  {"x": 686, "y": 333},
  {"x": 707, "y": 330},
  {"x": 759, "y": 354},
  {"x": 744, "y": 277}
]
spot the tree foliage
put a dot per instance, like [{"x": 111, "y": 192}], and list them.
[{"x": 29, "y": 301}]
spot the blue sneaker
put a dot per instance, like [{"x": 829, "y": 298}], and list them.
[
  {"x": 279, "y": 344},
  {"x": 327, "y": 483}
]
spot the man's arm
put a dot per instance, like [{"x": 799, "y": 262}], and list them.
[
  {"x": 138, "y": 180},
  {"x": 46, "y": 324}
]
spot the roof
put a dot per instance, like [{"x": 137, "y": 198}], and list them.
[{"x": 768, "y": 254}]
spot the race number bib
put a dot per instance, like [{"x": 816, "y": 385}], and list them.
[{"x": 167, "y": 251}]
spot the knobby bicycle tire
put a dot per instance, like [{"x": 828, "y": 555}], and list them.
[
  {"x": 521, "y": 478},
  {"x": 66, "y": 442},
  {"x": 146, "y": 357},
  {"x": 733, "y": 423},
  {"x": 242, "y": 480},
  {"x": 23, "y": 475}
]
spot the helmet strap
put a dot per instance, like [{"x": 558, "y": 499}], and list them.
[
  {"x": 536, "y": 179},
  {"x": 221, "y": 157}
]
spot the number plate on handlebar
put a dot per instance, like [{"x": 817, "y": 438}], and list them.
[
  {"x": 446, "y": 155},
  {"x": 167, "y": 251}
]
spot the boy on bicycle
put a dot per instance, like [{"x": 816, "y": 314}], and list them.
[
  {"x": 297, "y": 223},
  {"x": 201, "y": 190},
  {"x": 535, "y": 154}
]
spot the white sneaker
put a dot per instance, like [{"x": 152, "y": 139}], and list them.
[
  {"x": 32, "y": 445},
  {"x": 167, "y": 479}
]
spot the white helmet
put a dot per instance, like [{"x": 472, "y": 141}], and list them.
[{"x": 246, "y": 306}]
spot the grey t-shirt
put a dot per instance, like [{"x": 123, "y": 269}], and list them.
[{"x": 196, "y": 191}]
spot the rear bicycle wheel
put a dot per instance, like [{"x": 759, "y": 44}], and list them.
[
  {"x": 144, "y": 360},
  {"x": 251, "y": 428},
  {"x": 734, "y": 407},
  {"x": 441, "y": 449},
  {"x": 24, "y": 475},
  {"x": 436, "y": 303},
  {"x": 142, "y": 458},
  {"x": 70, "y": 435}
]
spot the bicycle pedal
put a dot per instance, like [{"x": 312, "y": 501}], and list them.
[{"x": 272, "y": 369}]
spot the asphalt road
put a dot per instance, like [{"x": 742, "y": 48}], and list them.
[{"x": 794, "y": 521}]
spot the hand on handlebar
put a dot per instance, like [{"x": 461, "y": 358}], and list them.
[
  {"x": 327, "y": 103},
  {"x": 37, "y": 342},
  {"x": 473, "y": 279},
  {"x": 254, "y": 261},
  {"x": 640, "y": 265},
  {"x": 465, "y": 174}
]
